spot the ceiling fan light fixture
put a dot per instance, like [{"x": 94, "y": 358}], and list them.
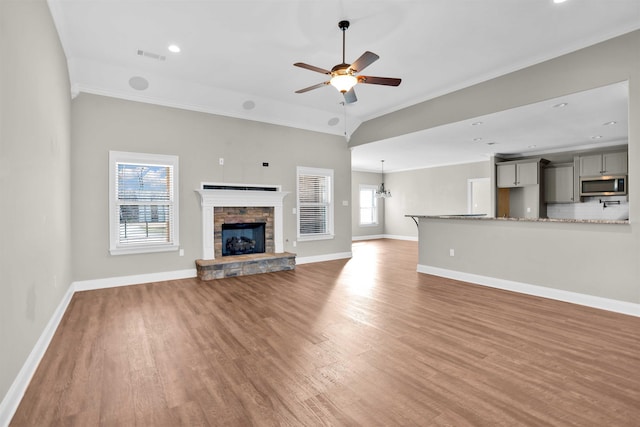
[
  {"x": 343, "y": 82},
  {"x": 343, "y": 75}
]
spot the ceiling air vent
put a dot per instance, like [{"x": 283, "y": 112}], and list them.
[{"x": 151, "y": 55}]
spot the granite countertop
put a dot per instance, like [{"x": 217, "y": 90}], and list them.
[{"x": 489, "y": 218}]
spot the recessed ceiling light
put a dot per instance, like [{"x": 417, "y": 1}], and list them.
[
  {"x": 532, "y": 146},
  {"x": 559, "y": 1},
  {"x": 333, "y": 121},
  {"x": 596, "y": 137},
  {"x": 491, "y": 143},
  {"x": 174, "y": 48},
  {"x": 561, "y": 105},
  {"x": 609, "y": 123},
  {"x": 477, "y": 139},
  {"x": 248, "y": 105},
  {"x": 476, "y": 123}
]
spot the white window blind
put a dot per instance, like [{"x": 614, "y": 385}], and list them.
[
  {"x": 368, "y": 205},
  {"x": 315, "y": 206},
  {"x": 143, "y": 203}
]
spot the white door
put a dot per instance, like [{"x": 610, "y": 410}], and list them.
[{"x": 478, "y": 196}]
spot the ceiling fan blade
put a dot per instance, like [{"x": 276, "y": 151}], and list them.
[
  {"x": 387, "y": 81},
  {"x": 364, "y": 61},
  {"x": 350, "y": 96},
  {"x": 312, "y": 68},
  {"x": 307, "y": 89}
]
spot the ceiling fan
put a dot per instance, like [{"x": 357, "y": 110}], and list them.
[{"x": 343, "y": 76}]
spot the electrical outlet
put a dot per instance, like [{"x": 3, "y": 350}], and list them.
[
  {"x": 221, "y": 161},
  {"x": 181, "y": 252},
  {"x": 452, "y": 252},
  {"x": 295, "y": 243}
]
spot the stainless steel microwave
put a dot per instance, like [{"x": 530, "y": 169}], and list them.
[{"x": 603, "y": 185}]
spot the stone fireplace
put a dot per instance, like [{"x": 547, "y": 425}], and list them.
[
  {"x": 240, "y": 204},
  {"x": 226, "y": 206}
]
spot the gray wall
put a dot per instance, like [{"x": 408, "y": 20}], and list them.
[
  {"x": 34, "y": 180},
  {"x": 598, "y": 65},
  {"x": 433, "y": 191},
  {"x": 365, "y": 178},
  {"x": 591, "y": 259},
  {"x": 100, "y": 124}
]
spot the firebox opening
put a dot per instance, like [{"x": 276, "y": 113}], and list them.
[{"x": 243, "y": 238}]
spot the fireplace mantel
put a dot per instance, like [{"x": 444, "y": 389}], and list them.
[{"x": 210, "y": 199}]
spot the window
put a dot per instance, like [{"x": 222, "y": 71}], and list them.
[
  {"x": 368, "y": 205},
  {"x": 315, "y": 203},
  {"x": 143, "y": 209}
]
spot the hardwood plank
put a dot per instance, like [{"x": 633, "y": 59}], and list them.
[{"x": 365, "y": 341}]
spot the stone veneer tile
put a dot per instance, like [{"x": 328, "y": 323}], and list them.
[
  {"x": 243, "y": 265},
  {"x": 234, "y": 215}
]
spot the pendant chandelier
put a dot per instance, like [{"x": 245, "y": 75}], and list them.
[{"x": 381, "y": 193}]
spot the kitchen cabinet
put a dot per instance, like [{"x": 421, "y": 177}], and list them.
[
  {"x": 614, "y": 163},
  {"x": 517, "y": 174},
  {"x": 559, "y": 184},
  {"x": 519, "y": 188}
]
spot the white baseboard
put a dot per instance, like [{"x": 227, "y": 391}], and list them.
[
  {"x": 321, "y": 258},
  {"x": 369, "y": 237},
  {"x": 384, "y": 236},
  {"x": 14, "y": 395},
  {"x": 616, "y": 306},
  {"x": 112, "y": 282},
  {"x": 398, "y": 237}
]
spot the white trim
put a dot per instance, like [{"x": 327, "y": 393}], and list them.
[
  {"x": 276, "y": 114},
  {"x": 369, "y": 237},
  {"x": 385, "y": 236},
  {"x": 115, "y": 247},
  {"x": 398, "y": 237},
  {"x": 376, "y": 208},
  {"x": 327, "y": 173},
  {"x": 616, "y": 306},
  {"x": 113, "y": 282},
  {"x": 322, "y": 258},
  {"x": 144, "y": 249},
  {"x": 14, "y": 395},
  {"x": 311, "y": 237}
]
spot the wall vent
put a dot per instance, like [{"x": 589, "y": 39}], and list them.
[
  {"x": 240, "y": 187},
  {"x": 151, "y": 55}
]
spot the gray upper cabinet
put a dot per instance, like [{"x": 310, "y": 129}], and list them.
[
  {"x": 559, "y": 184},
  {"x": 604, "y": 164},
  {"x": 517, "y": 174}
]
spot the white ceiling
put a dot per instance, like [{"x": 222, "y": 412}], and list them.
[
  {"x": 240, "y": 53},
  {"x": 585, "y": 122}
]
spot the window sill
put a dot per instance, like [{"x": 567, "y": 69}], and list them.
[
  {"x": 369, "y": 225},
  {"x": 143, "y": 249},
  {"x": 316, "y": 237}
]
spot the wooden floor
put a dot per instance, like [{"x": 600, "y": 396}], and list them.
[{"x": 366, "y": 341}]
